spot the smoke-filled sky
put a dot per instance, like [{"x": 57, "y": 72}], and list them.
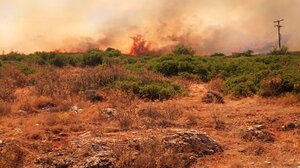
[{"x": 207, "y": 25}]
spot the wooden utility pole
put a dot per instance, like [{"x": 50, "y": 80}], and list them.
[{"x": 279, "y": 31}]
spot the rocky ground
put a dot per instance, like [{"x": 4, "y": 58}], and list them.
[{"x": 183, "y": 132}]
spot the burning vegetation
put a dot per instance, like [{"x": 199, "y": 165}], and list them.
[{"x": 139, "y": 46}]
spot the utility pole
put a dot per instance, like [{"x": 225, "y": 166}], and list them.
[{"x": 279, "y": 32}]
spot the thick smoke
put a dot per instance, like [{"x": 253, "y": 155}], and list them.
[{"x": 206, "y": 25}]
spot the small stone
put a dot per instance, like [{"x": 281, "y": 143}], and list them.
[
  {"x": 22, "y": 112},
  {"x": 76, "y": 109},
  {"x": 110, "y": 112},
  {"x": 267, "y": 162},
  {"x": 290, "y": 126},
  {"x": 260, "y": 127}
]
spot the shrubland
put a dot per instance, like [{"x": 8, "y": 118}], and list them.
[
  {"x": 243, "y": 75},
  {"x": 266, "y": 75}
]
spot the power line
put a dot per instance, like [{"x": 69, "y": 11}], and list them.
[{"x": 279, "y": 31}]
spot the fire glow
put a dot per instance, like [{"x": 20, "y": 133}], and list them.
[{"x": 139, "y": 46}]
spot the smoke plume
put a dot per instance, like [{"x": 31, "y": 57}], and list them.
[{"x": 207, "y": 26}]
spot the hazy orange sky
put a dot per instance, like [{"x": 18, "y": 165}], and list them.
[{"x": 207, "y": 25}]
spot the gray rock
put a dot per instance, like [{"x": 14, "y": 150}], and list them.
[
  {"x": 22, "y": 112},
  {"x": 255, "y": 133},
  {"x": 83, "y": 152},
  {"x": 101, "y": 160},
  {"x": 192, "y": 141},
  {"x": 76, "y": 109},
  {"x": 290, "y": 126},
  {"x": 110, "y": 112}
]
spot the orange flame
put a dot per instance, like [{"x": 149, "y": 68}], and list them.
[{"x": 139, "y": 46}]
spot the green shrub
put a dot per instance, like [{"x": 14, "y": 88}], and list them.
[
  {"x": 167, "y": 68},
  {"x": 189, "y": 76},
  {"x": 160, "y": 91},
  {"x": 27, "y": 70},
  {"x": 275, "y": 86},
  {"x": 92, "y": 58},
  {"x": 12, "y": 56},
  {"x": 240, "y": 86},
  {"x": 218, "y": 55},
  {"x": 111, "y": 52},
  {"x": 183, "y": 50},
  {"x": 59, "y": 61},
  {"x": 150, "y": 90}
]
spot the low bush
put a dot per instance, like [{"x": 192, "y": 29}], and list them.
[
  {"x": 12, "y": 57},
  {"x": 111, "y": 52},
  {"x": 167, "y": 68},
  {"x": 241, "y": 76},
  {"x": 150, "y": 90},
  {"x": 92, "y": 58},
  {"x": 279, "y": 51},
  {"x": 110, "y": 74},
  {"x": 240, "y": 86},
  {"x": 6, "y": 91},
  {"x": 183, "y": 50},
  {"x": 275, "y": 86}
]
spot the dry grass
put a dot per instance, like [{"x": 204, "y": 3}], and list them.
[
  {"x": 61, "y": 118},
  {"x": 60, "y": 89},
  {"x": 150, "y": 76},
  {"x": 285, "y": 100},
  {"x": 50, "y": 104},
  {"x": 12, "y": 157},
  {"x": 289, "y": 99},
  {"x": 27, "y": 105},
  {"x": 191, "y": 121},
  {"x": 5, "y": 108},
  {"x": 85, "y": 79},
  {"x": 51, "y": 84},
  {"x": 144, "y": 156},
  {"x": 127, "y": 120},
  {"x": 112, "y": 73},
  {"x": 64, "y": 117},
  {"x": 7, "y": 90},
  {"x": 216, "y": 84},
  {"x": 14, "y": 76},
  {"x": 11, "y": 79},
  {"x": 50, "y": 119},
  {"x": 125, "y": 106},
  {"x": 217, "y": 116},
  {"x": 163, "y": 116}
]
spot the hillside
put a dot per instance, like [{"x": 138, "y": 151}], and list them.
[{"x": 106, "y": 109}]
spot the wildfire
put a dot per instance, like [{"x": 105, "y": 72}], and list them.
[
  {"x": 139, "y": 46},
  {"x": 60, "y": 50},
  {"x": 72, "y": 50}
]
